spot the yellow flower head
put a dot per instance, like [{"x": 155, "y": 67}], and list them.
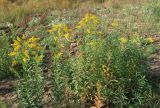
[
  {"x": 14, "y": 63},
  {"x": 19, "y": 39},
  {"x": 115, "y": 24},
  {"x": 149, "y": 40},
  {"x": 33, "y": 52},
  {"x": 106, "y": 70},
  {"x": 38, "y": 58},
  {"x": 58, "y": 55},
  {"x": 33, "y": 39},
  {"x": 16, "y": 48},
  {"x": 26, "y": 53},
  {"x": 88, "y": 31},
  {"x": 123, "y": 40},
  {"x": 67, "y": 35},
  {"x": 25, "y": 60},
  {"x": 88, "y": 18},
  {"x": 16, "y": 43},
  {"x": 32, "y": 45},
  {"x": 136, "y": 39},
  {"x": 12, "y": 53},
  {"x": 60, "y": 28},
  {"x": 24, "y": 36}
]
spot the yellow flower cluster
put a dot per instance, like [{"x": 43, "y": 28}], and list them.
[
  {"x": 26, "y": 48},
  {"x": 106, "y": 70},
  {"x": 149, "y": 40},
  {"x": 61, "y": 34},
  {"x": 123, "y": 40},
  {"x": 88, "y": 19},
  {"x": 115, "y": 24},
  {"x": 61, "y": 30},
  {"x": 136, "y": 39}
]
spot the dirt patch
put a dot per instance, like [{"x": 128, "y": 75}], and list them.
[{"x": 7, "y": 93}]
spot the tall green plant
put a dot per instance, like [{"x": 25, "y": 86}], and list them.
[{"x": 28, "y": 52}]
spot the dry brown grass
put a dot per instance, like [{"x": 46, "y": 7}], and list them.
[
  {"x": 120, "y": 3},
  {"x": 17, "y": 10}
]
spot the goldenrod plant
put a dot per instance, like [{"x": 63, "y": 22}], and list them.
[
  {"x": 26, "y": 49},
  {"x": 28, "y": 52}
]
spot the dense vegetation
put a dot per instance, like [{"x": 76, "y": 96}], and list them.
[{"x": 84, "y": 57}]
